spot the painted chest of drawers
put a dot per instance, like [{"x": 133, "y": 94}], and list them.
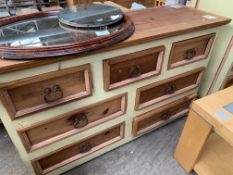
[{"x": 65, "y": 111}]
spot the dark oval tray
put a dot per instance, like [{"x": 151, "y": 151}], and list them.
[{"x": 39, "y": 35}]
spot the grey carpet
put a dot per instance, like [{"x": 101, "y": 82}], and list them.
[{"x": 151, "y": 154}]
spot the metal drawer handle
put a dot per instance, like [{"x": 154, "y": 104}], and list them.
[
  {"x": 49, "y": 91},
  {"x": 80, "y": 121},
  {"x": 135, "y": 71},
  {"x": 165, "y": 116},
  {"x": 170, "y": 89},
  {"x": 85, "y": 147},
  {"x": 190, "y": 53}
]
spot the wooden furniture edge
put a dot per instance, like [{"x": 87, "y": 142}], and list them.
[
  {"x": 196, "y": 130},
  {"x": 19, "y": 65}
]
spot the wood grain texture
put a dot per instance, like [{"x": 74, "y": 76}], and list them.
[
  {"x": 215, "y": 158},
  {"x": 207, "y": 107},
  {"x": 192, "y": 140},
  {"x": 164, "y": 89},
  {"x": 75, "y": 151},
  {"x": 51, "y": 130},
  {"x": 150, "y": 24},
  {"x": 25, "y": 96},
  {"x": 191, "y": 50},
  {"x": 162, "y": 115},
  {"x": 126, "y": 69},
  {"x": 228, "y": 82}
]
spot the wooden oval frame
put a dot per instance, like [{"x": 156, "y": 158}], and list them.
[{"x": 17, "y": 53}]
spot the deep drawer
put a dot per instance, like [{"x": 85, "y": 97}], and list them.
[
  {"x": 33, "y": 94},
  {"x": 129, "y": 68},
  {"x": 191, "y": 50},
  {"x": 159, "y": 91},
  {"x": 162, "y": 115},
  {"x": 59, "y": 127},
  {"x": 78, "y": 150}
]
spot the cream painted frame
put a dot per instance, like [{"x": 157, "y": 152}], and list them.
[{"x": 98, "y": 94}]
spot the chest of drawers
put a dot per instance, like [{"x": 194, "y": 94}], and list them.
[{"x": 61, "y": 112}]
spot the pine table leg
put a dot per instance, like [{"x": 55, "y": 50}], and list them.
[{"x": 193, "y": 137}]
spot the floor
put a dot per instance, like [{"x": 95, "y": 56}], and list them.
[{"x": 151, "y": 154}]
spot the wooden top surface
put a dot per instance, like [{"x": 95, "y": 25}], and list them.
[
  {"x": 150, "y": 24},
  {"x": 211, "y": 109}
]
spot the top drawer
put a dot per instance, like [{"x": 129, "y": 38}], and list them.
[
  {"x": 33, "y": 94},
  {"x": 126, "y": 69},
  {"x": 191, "y": 50}
]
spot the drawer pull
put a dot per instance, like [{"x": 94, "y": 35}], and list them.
[
  {"x": 49, "y": 91},
  {"x": 190, "y": 53},
  {"x": 165, "y": 116},
  {"x": 170, "y": 89},
  {"x": 135, "y": 71},
  {"x": 85, "y": 147},
  {"x": 105, "y": 111},
  {"x": 80, "y": 121}
]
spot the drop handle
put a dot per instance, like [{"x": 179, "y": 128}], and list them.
[
  {"x": 86, "y": 147},
  {"x": 190, "y": 53},
  {"x": 48, "y": 92},
  {"x": 170, "y": 89},
  {"x": 80, "y": 120},
  {"x": 135, "y": 71}
]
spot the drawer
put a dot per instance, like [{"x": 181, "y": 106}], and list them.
[
  {"x": 162, "y": 90},
  {"x": 60, "y": 127},
  {"x": 228, "y": 82},
  {"x": 162, "y": 115},
  {"x": 191, "y": 50},
  {"x": 75, "y": 151},
  {"x": 126, "y": 69},
  {"x": 40, "y": 92}
]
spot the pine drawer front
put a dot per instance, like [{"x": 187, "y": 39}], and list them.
[
  {"x": 191, "y": 50},
  {"x": 162, "y": 90},
  {"x": 228, "y": 82},
  {"x": 36, "y": 93},
  {"x": 160, "y": 116},
  {"x": 78, "y": 150},
  {"x": 71, "y": 123},
  {"x": 126, "y": 69}
]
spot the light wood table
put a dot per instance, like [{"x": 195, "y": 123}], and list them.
[{"x": 206, "y": 143}]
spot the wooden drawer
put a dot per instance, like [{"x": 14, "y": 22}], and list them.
[
  {"x": 59, "y": 127},
  {"x": 33, "y": 94},
  {"x": 191, "y": 50},
  {"x": 228, "y": 82},
  {"x": 75, "y": 151},
  {"x": 162, "y": 115},
  {"x": 159, "y": 91},
  {"x": 129, "y": 68}
]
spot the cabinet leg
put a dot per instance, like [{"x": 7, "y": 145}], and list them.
[{"x": 194, "y": 135}]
